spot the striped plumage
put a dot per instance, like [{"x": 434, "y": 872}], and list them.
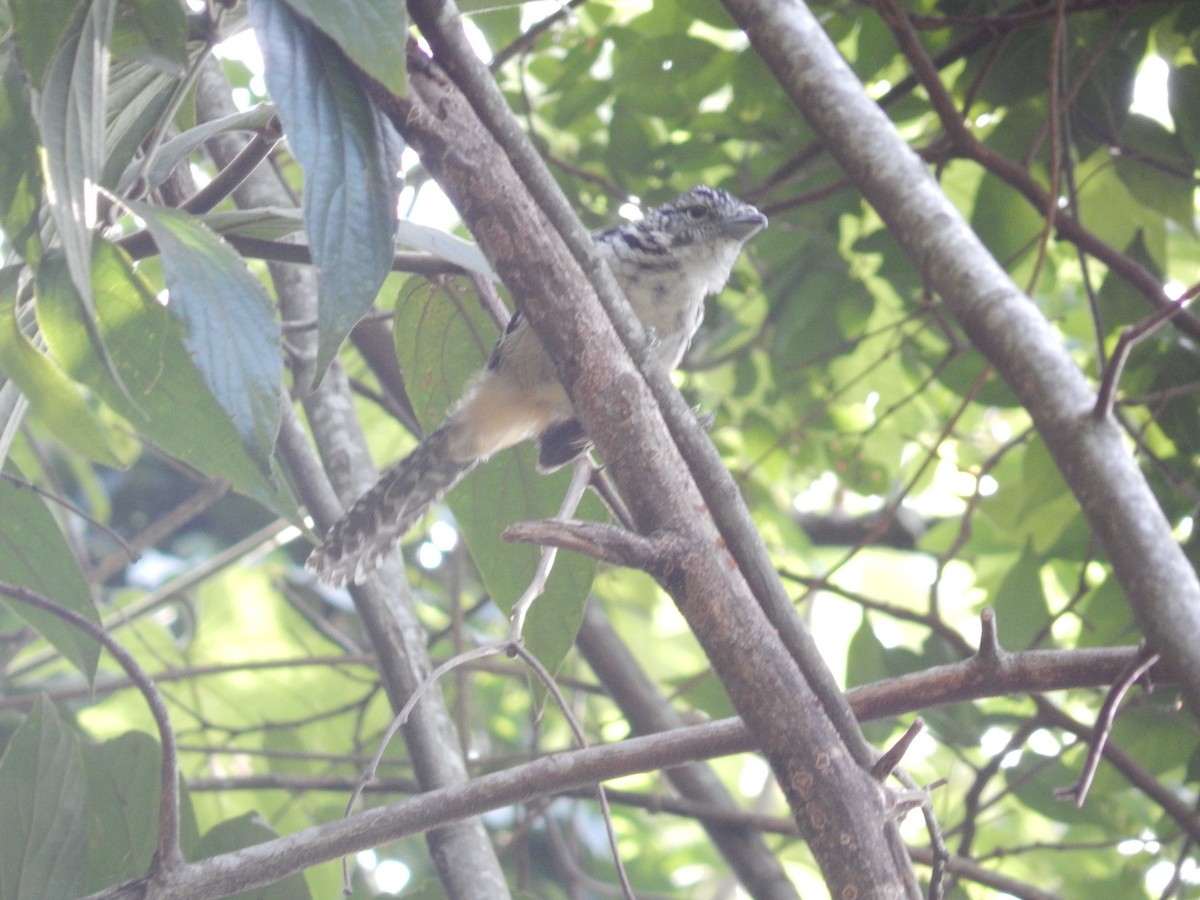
[{"x": 666, "y": 264}]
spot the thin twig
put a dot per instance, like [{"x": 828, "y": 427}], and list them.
[
  {"x": 1129, "y": 338},
  {"x": 1104, "y": 720},
  {"x": 581, "y": 740},
  {"x": 130, "y": 553}
]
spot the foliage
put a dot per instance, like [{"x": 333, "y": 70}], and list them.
[{"x": 898, "y": 483}]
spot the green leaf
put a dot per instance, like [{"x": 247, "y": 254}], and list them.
[
  {"x": 445, "y": 245},
  {"x": 1157, "y": 170},
  {"x": 138, "y": 97},
  {"x": 264, "y": 222},
  {"x": 228, "y": 323},
  {"x": 21, "y": 174},
  {"x": 123, "y": 786},
  {"x": 442, "y": 337},
  {"x": 349, "y": 154},
  {"x": 1020, "y": 602},
  {"x": 38, "y": 25},
  {"x": 153, "y": 32},
  {"x": 246, "y": 831},
  {"x": 373, "y": 33},
  {"x": 179, "y": 148},
  {"x": 1183, "y": 99},
  {"x": 1004, "y": 220},
  {"x": 43, "y": 832},
  {"x": 52, "y": 396},
  {"x": 71, "y": 119},
  {"x": 35, "y": 555},
  {"x": 173, "y": 409},
  {"x": 1109, "y": 209},
  {"x": 866, "y": 658},
  {"x": 509, "y": 489}
]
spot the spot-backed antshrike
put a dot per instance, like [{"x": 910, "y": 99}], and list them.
[{"x": 666, "y": 264}]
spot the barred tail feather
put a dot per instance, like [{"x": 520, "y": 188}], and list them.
[{"x": 358, "y": 541}]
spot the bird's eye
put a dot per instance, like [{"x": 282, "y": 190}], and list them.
[{"x": 698, "y": 211}]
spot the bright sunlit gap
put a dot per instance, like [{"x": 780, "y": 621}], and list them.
[
  {"x": 1161, "y": 874},
  {"x": 1150, "y": 91},
  {"x": 243, "y": 48},
  {"x": 1174, "y": 289},
  {"x": 390, "y": 876}
]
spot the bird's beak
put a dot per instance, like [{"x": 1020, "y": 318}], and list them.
[{"x": 745, "y": 225}]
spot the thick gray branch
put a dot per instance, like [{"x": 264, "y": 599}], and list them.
[
  {"x": 834, "y": 800},
  {"x": 1000, "y": 320}
]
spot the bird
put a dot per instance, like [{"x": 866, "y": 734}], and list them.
[{"x": 666, "y": 264}]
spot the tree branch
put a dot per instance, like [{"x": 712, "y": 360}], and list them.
[
  {"x": 831, "y": 794},
  {"x": 1158, "y": 580},
  {"x": 262, "y": 864}
]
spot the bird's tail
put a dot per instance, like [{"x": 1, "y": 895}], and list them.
[{"x": 358, "y": 541}]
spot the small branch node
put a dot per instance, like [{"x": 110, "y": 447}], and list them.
[
  {"x": 989, "y": 638},
  {"x": 887, "y": 763}
]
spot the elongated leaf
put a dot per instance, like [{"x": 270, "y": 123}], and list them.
[
  {"x": 170, "y": 405},
  {"x": 179, "y": 148},
  {"x": 43, "y": 834},
  {"x": 448, "y": 246},
  {"x": 138, "y": 97},
  {"x": 54, "y": 399},
  {"x": 35, "y": 555},
  {"x": 373, "y": 33},
  {"x": 71, "y": 118},
  {"x": 228, "y": 325},
  {"x": 267, "y": 223},
  {"x": 442, "y": 338},
  {"x": 349, "y": 155},
  {"x": 21, "y": 174}
]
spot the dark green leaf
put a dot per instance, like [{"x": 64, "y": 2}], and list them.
[
  {"x": 442, "y": 337},
  {"x": 43, "y": 832},
  {"x": 138, "y": 97},
  {"x": 263, "y": 222},
  {"x": 1183, "y": 97},
  {"x": 228, "y": 325},
  {"x": 153, "y": 32},
  {"x": 171, "y": 405},
  {"x": 35, "y": 555},
  {"x": 373, "y": 33},
  {"x": 21, "y": 174},
  {"x": 350, "y": 157},
  {"x": 38, "y": 26}
]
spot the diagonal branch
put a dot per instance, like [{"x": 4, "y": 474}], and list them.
[
  {"x": 1159, "y": 582},
  {"x": 831, "y": 794}
]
